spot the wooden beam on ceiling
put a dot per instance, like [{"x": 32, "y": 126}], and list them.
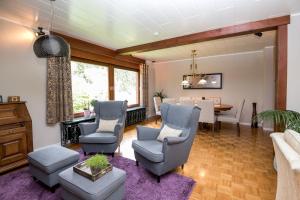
[
  {"x": 80, "y": 48},
  {"x": 235, "y": 30}
]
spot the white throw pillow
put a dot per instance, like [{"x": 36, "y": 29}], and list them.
[
  {"x": 166, "y": 131},
  {"x": 293, "y": 139},
  {"x": 107, "y": 125}
]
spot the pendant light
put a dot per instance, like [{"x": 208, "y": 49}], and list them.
[
  {"x": 50, "y": 45},
  {"x": 193, "y": 68}
]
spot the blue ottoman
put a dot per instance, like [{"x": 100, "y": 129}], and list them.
[
  {"x": 109, "y": 187},
  {"x": 47, "y": 163}
]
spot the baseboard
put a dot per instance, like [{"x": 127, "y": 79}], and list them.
[{"x": 57, "y": 144}]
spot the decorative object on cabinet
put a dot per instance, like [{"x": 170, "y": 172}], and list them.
[
  {"x": 13, "y": 98},
  {"x": 213, "y": 81},
  {"x": 254, "y": 123},
  {"x": 1, "y": 99},
  {"x": 15, "y": 135}
]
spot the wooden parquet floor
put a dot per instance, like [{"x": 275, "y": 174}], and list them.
[{"x": 225, "y": 166}]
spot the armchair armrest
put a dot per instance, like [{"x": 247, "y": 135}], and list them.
[
  {"x": 175, "y": 149},
  {"x": 118, "y": 128},
  {"x": 146, "y": 133},
  {"x": 174, "y": 140},
  {"x": 87, "y": 128}
]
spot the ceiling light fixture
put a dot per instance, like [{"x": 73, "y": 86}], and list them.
[
  {"x": 193, "y": 67},
  {"x": 50, "y": 45},
  {"x": 156, "y": 33}
]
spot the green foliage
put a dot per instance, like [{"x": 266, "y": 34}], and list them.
[
  {"x": 93, "y": 102},
  {"x": 80, "y": 72},
  {"x": 160, "y": 94},
  {"x": 288, "y": 118},
  {"x": 80, "y": 102},
  {"x": 97, "y": 161}
]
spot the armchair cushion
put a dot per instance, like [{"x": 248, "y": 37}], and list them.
[
  {"x": 98, "y": 138},
  {"x": 150, "y": 149},
  {"x": 107, "y": 125},
  {"x": 167, "y": 131}
]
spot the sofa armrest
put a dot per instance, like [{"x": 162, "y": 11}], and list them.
[
  {"x": 87, "y": 128},
  {"x": 146, "y": 133}
]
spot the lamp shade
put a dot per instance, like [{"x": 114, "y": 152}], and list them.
[{"x": 50, "y": 46}]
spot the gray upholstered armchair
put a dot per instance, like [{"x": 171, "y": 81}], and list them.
[
  {"x": 161, "y": 157},
  {"x": 104, "y": 142}
]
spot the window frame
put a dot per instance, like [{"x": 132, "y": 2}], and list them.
[
  {"x": 138, "y": 84},
  {"x": 111, "y": 91}
]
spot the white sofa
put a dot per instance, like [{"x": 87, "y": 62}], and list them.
[{"x": 287, "y": 154}]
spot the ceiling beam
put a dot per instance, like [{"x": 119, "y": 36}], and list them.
[{"x": 235, "y": 30}]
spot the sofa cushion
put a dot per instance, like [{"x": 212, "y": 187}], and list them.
[
  {"x": 103, "y": 137},
  {"x": 150, "y": 149},
  {"x": 53, "y": 158},
  {"x": 167, "y": 131},
  {"x": 85, "y": 189},
  {"x": 293, "y": 139},
  {"x": 107, "y": 125}
]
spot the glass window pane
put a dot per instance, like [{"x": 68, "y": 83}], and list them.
[
  {"x": 126, "y": 85},
  {"x": 89, "y": 82}
]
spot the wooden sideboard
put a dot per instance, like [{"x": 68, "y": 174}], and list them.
[{"x": 15, "y": 135}]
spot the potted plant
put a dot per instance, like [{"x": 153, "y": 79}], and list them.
[
  {"x": 86, "y": 110},
  {"x": 97, "y": 163},
  {"x": 284, "y": 119},
  {"x": 160, "y": 94}
]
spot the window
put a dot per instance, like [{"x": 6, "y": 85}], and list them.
[
  {"x": 89, "y": 82},
  {"x": 126, "y": 85}
]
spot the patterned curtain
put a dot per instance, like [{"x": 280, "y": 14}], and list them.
[
  {"x": 144, "y": 69},
  {"x": 59, "y": 90}
]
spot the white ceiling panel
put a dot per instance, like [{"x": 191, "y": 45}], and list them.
[{"x": 122, "y": 23}]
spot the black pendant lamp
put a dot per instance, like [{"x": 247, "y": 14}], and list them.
[{"x": 46, "y": 46}]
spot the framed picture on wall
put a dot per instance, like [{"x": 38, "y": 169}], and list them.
[{"x": 204, "y": 81}]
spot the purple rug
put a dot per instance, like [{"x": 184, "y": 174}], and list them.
[{"x": 140, "y": 184}]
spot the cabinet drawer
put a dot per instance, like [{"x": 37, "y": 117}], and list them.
[
  {"x": 13, "y": 147},
  {"x": 12, "y": 130}
]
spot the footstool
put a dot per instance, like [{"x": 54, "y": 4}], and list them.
[
  {"x": 45, "y": 164},
  {"x": 109, "y": 187}
]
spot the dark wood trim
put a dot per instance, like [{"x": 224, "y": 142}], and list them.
[
  {"x": 111, "y": 83},
  {"x": 235, "y": 30},
  {"x": 86, "y": 50},
  {"x": 281, "y": 69}
]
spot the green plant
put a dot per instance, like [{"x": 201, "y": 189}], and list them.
[
  {"x": 93, "y": 102},
  {"x": 160, "y": 94},
  {"x": 97, "y": 162},
  {"x": 287, "y": 119}
]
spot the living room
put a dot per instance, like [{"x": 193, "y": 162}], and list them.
[{"x": 150, "y": 57}]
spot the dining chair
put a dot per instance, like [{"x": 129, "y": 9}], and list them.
[
  {"x": 157, "y": 103},
  {"x": 217, "y": 100},
  {"x": 188, "y": 101},
  {"x": 170, "y": 100},
  {"x": 207, "y": 112},
  {"x": 235, "y": 118}
]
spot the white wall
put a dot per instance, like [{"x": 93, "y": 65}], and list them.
[
  {"x": 293, "y": 83},
  {"x": 244, "y": 76},
  {"x": 23, "y": 74}
]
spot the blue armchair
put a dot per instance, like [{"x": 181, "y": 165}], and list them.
[
  {"x": 161, "y": 157},
  {"x": 104, "y": 142}
]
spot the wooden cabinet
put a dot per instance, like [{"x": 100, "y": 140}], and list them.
[{"x": 15, "y": 135}]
